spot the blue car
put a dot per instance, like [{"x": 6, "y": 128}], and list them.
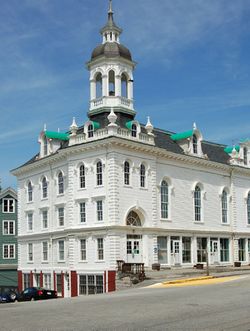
[{"x": 8, "y": 296}]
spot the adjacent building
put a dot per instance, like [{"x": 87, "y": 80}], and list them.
[
  {"x": 114, "y": 189},
  {"x": 8, "y": 237}
]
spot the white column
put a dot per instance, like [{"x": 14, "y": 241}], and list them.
[
  {"x": 118, "y": 85},
  {"x": 130, "y": 90},
  {"x": 105, "y": 85},
  {"x": 92, "y": 89}
]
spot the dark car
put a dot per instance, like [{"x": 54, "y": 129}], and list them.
[
  {"x": 36, "y": 293},
  {"x": 8, "y": 295}
]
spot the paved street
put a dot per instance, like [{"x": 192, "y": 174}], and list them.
[{"x": 217, "y": 306}]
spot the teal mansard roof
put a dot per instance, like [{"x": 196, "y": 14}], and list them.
[
  {"x": 57, "y": 135},
  {"x": 229, "y": 149},
  {"x": 182, "y": 135}
]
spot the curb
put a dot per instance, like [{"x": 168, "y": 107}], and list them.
[{"x": 186, "y": 280}]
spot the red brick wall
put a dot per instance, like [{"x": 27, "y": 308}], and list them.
[{"x": 74, "y": 291}]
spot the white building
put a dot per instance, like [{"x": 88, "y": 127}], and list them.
[{"x": 114, "y": 189}]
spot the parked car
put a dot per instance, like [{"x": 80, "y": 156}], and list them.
[
  {"x": 8, "y": 295},
  {"x": 36, "y": 293}
]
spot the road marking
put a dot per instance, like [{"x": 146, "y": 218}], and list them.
[{"x": 197, "y": 282}]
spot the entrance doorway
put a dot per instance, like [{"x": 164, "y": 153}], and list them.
[
  {"x": 214, "y": 251},
  {"x": 175, "y": 251},
  {"x": 134, "y": 248}
]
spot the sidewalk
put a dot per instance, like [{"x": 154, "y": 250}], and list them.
[{"x": 164, "y": 275}]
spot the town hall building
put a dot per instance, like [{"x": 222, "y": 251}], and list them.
[{"x": 113, "y": 189}]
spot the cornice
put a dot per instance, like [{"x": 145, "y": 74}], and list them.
[{"x": 112, "y": 141}]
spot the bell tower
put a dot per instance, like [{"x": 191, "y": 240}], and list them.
[{"x": 111, "y": 73}]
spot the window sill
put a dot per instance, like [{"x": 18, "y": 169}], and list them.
[
  {"x": 100, "y": 261},
  {"x": 225, "y": 224},
  {"x": 143, "y": 188},
  {"x": 128, "y": 186},
  {"x": 165, "y": 220},
  {"x": 83, "y": 262},
  {"x": 80, "y": 189},
  {"x": 60, "y": 195},
  {"x": 61, "y": 261},
  {"x": 8, "y": 212},
  {"x": 99, "y": 186},
  {"x": 45, "y": 262},
  {"x": 30, "y": 262},
  {"x": 45, "y": 199},
  {"x": 198, "y": 222}
]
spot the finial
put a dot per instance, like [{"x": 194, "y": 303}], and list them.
[
  {"x": 45, "y": 127},
  {"x": 112, "y": 117},
  {"x": 73, "y": 125},
  {"x": 194, "y": 126},
  {"x": 110, "y": 7},
  {"x": 149, "y": 127}
]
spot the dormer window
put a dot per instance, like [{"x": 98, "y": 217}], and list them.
[
  {"x": 133, "y": 130},
  {"x": 90, "y": 131},
  {"x": 195, "y": 144},
  {"x": 245, "y": 155}
]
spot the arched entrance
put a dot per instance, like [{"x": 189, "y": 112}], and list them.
[{"x": 134, "y": 241}]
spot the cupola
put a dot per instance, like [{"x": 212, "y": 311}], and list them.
[{"x": 111, "y": 73}]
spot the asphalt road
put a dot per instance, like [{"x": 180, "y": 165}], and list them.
[{"x": 222, "y": 306}]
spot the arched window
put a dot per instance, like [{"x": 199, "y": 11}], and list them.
[
  {"x": 124, "y": 81},
  {"x": 30, "y": 192},
  {"x": 126, "y": 173},
  {"x": 44, "y": 188},
  {"x": 245, "y": 155},
  {"x": 142, "y": 175},
  {"x": 82, "y": 176},
  {"x": 90, "y": 131},
  {"x": 99, "y": 173},
  {"x": 111, "y": 83},
  {"x": 133, "y": 130},
  {"x": 60, "y": 183},
  {"x": 133, "y": 219},
  {"x": 98, "y": 81},
  {"x": 224, "y": 206},
  {"x": 195, "y": 144},
  {"x": 164, "y": 199},
  {"x": 45, "y": 146},
  {"x": 248, "y": 208},
  {"x": 197, "y": 203}
]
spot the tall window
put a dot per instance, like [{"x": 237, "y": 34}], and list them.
[
  {"x": 126, "y": 173},
  {"x": 242, "y": 250},
  {"x": 61, "y": 250},
  {"x": 45, "y": 251},
  {"x": 61, "y": 216},
  {"x": 90, "y": 131},
  {"x": 224, "y": 206},
  {"x": 142, "y": 175},
  {"x": 111, "y": 83},
  {"x": 44, "y": 188},
  {"x": 8, "y": 227},
  {"x": 99, "y": 173},
  {"x": 197, "y": 203},
  {"x": 99, "y": 85},
  {"x": 8, "y": 206},
  {"x": 82, "y": 206},
  {"x": 44, "y": 219},
  {"x": 26, "y": 280},
  {"x": 9, "y": 251},
  {"x": 82, "y": 176},
  {"x": 133, "y": 130},
  {"x": 224, "y": 250},
  {"x": 99, "y": 206},
  {"x": 30, "y": 252},
  {"x": 60, "y": 183},
  {"x": 133, "y": 219},
  {"x": 164, "y": 199},
  {"x": 195, "y": 144},
  {"x": 124, "y": 85},
  {"x": 245, "y": 155},
  {"x": 83, "y": 254},
  {"x": 248, "y": 208},
  {"x": 30, "y": 221},
  {"x": 47, "y": 281},
  {"x": 100, "y": 250},
  {"x": 30, "y": 192}
]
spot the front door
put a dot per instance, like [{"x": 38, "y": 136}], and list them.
[
  {"x": 175, "y": 252},
  {"x": 59, "y": 284},
  {"x": 214, "y": 253},
  {"x": 134, "y": 249}
]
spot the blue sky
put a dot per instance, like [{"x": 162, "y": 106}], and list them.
[{"x": 193, "y": 66}]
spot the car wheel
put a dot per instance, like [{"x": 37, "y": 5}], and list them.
[{"x": 13, "y": 296}]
